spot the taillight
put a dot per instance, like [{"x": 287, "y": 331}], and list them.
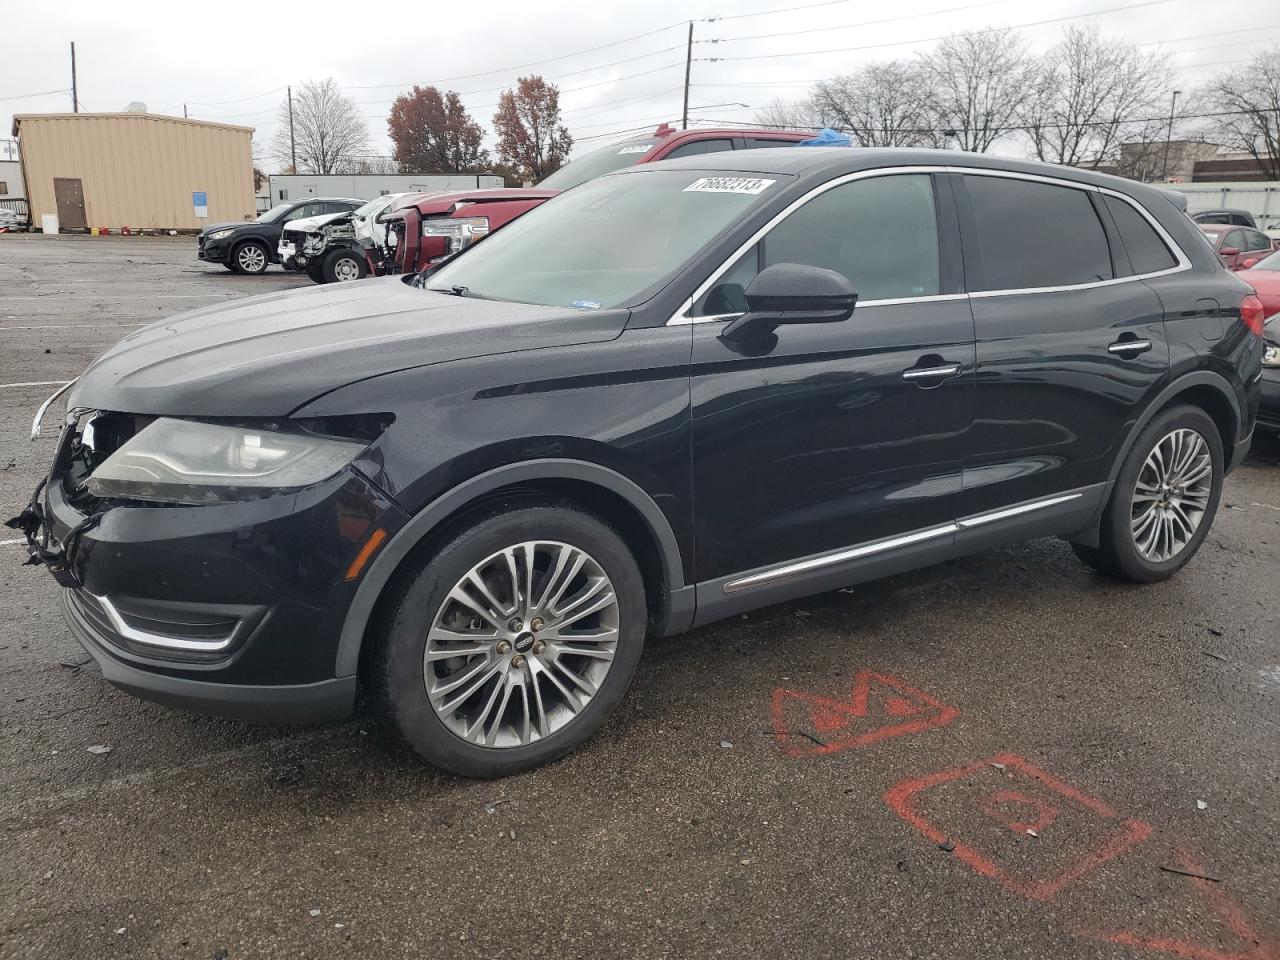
[{"x": 1251, "y": 314}]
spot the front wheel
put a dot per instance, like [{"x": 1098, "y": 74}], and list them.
[
  {"x": 512, "y": 642},
  {"x": 1164, "y": 499},
  {"x": 250, "y": 257},
  {"x": 343, "y": 265}
]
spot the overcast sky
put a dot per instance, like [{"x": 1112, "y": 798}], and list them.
[{"x": 168, "y": 53}]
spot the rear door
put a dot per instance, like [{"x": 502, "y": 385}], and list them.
[
  {"x": 1070, "y": 340},
  {"x": 824, "y": 436}
]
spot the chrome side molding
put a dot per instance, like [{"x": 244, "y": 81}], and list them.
[
  {"x": 39, "y": 419},
  {"x": 799, "y": 567}
]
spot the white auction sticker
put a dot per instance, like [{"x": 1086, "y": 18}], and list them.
[
  {"x": 636, "y": 148},
  {"x": 750, "y": 185}
]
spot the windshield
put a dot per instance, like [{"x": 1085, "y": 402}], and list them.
[
  {"x": 275, "y": 213},
  {"x": 597, "y": 164},
  {"x": 1269, "y": 262},
  {"x": 374, "y": 205},
  {"x": 607, "y": 242}
]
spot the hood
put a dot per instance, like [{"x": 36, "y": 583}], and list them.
[
  {"x": 266, "y": 356},
  {"x": 308, "y": 224},
  {"x": 225, "y": 226}
]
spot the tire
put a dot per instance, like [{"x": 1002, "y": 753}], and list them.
[
  {"x": 230, "y": 266},
  {"x": 316, "y": 274},
  {"x": 343, "y": 265},
  {"x": 250, "y": 257},
  {"x": 510, "y": 703},
  {"x": 1141, "y": 539}
]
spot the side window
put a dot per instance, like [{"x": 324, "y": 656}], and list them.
[
  {"x": 1257, "y": 241},
  {"x": 1036, "y": 234},
  {"x": 754, "y": 142},
  {"x": 1213, "y": 218},
  {"x": 699, "y": 146},
  {"x": 1240, "y": 220},
  {"x": 1147, "y": 252},
  {"x": 880, "y": 232},
  {"x": 1234, "y": 238}
]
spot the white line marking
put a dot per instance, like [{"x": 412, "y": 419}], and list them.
[
  {"x": 75, "y": 326},
  {"x": 1268, "y": 506},
  {"x": 36, "y": 383},
  {"x": 135, "y": 296},
  {"x": 6, "y": 543}
]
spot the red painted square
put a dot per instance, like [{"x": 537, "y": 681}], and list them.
[{"x": 1019, "y": 796}]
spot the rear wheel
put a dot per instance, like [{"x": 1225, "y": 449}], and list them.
[
  {"x": 510, "y": 644},
  {"x": 343, "y": 265},
  {"x": 250, "y": 257},
  {"x": 1164, "y": 499}
]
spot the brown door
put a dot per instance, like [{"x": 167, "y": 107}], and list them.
[{"x": 69, "y": 195}]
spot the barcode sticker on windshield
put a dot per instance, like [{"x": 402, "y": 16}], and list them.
[
  {"x": 750, "y": 185},
  {"x": 636, "y": 148}
]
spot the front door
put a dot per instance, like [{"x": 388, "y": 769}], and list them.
[
  {"x": 825, "y": 436},
  {"x": 68, "y": 194},
  {"x": 1069, "y": 350}
]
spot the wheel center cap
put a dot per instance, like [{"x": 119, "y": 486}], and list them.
[{"x": 523, "y": 643}]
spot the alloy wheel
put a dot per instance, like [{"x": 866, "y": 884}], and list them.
[
  {"x": 521, "y": 644},
  {"x": 251, "y": 258},
  {"x": 1171, "y": 495}
]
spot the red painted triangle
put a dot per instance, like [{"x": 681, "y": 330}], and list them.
[{"x": 879, "y": 707}]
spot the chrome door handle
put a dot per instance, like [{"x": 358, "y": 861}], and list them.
[
  {"x": 1133, "y": 347},
  {"x": 931, "y": 373}
]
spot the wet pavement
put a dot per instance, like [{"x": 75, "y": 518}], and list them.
[{"x": 1005, "y": 756}]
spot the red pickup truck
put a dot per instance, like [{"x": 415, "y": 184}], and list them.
[{"x": 425, "y": 228}]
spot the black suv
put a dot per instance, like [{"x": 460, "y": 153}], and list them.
[
  {"x": 251, "y": 247},
  {"x": 472, "y": 493}
]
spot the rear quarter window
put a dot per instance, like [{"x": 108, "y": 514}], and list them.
[
  {"x": 1147, "y": 252},
  {"x": 699, "y": 146},
  {"x": 1035, "y": 234}
]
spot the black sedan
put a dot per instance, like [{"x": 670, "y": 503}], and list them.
[{"x": 251, "y": 247}]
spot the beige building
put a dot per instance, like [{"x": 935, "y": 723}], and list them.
[{"x": 136, "y": 170}]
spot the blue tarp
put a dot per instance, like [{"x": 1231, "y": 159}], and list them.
[{"x": 827, "y": 138}]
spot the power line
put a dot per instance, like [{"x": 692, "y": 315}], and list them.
[
  {"x": 822, "y": 3},
  {"x": 901, "y": 43},
  {"x": 32, "y": 96},
  {"x": 850, "y": 26}
]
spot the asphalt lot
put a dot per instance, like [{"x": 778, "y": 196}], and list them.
[{"x": 1001, "y": 757}]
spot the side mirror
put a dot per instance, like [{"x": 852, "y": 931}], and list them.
[
  {"x": 792, "y": 293},
  {"x": 1229, "y": 252}
]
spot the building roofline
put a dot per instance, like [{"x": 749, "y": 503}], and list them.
[{"x": 19, "y": 117}]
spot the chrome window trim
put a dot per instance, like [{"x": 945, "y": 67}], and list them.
[
  {"x": 681, "y": 316},
  {"x": 795, "y": 568}
]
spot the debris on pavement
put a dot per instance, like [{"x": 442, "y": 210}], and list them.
[
  {"x": 1201, "y": 805},
  {"x": 99, "y": 749},
  {"x": 492, "y": 807},
  {"x": 314, "y": 913},
  {"x": 1216, "y": 656},
  {"x": 946, "y": 845},
  {"x": 726, "y": 744},
  {"x": 1192, "y": 874}
]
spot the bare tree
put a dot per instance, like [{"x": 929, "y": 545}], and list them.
[
  {"x": 329, "y": 135},
  {"x": 884, "y": 104},
  {"x": 786, "y": 113},
  {"x": 1250, "y": 100},
  {"x": 980, "y": 81},
  {"x": 1091, "y": 94}
]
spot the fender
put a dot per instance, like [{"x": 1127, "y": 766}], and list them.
[{"x": 444, "y": 506}]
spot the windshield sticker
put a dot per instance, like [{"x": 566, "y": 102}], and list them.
[
  {"x": 585, "y": 305},
  {"x": 750, "y": 185},
  {"x": 636, "y": 148}
]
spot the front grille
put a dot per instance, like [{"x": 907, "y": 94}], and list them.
[{"x": 160, "y": 630}]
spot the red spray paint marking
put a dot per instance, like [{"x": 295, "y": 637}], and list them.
[
  {"x": 902, "y": 799},
  {"x": 997, "y": 805},
  {"x": 841, "y": 724},
  {"x": 1230, "y": 914}
]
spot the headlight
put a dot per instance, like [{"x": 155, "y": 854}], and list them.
[
  {"x": 313, "y": 243},
  {"x": 459, "y": 233},
  {"x": 185, "y": 461},
  {"x": 220, "y": 234}
]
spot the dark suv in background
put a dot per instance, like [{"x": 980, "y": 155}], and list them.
[
  {"x": 670, "y": 395},
  {"x": 251, "y": 247}
]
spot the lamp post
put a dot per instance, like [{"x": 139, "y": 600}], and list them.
[{"x": 1173, "y": 107}]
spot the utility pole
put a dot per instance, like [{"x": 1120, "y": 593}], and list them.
[
  {"x": 293, "y": 151},
  {"x": 688, "y": 65},
  {"x": 184, "y": 111},
  {"x": 1173, "y": 107},
  {"x": 74, "y": 90}
]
